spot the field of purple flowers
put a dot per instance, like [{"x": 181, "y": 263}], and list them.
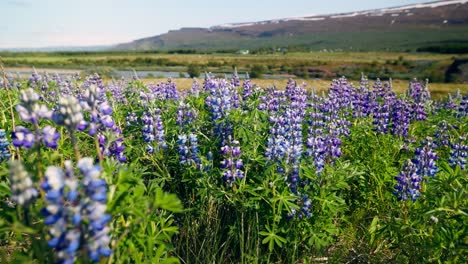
[{"x": 229, "y": 172}]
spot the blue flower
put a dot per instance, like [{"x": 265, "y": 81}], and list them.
[
  {"x": 76, "y": 216},
  {"x": 231, "y": 163},
  {"x": 94, "y": 207},
  {"x": 4, "y": 152},
  {"x": 459, "y": 153},
  {"x": 408, "y": 182},
  {"x": 23, "y": 137}
]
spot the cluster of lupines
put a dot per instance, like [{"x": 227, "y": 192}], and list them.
[
  {"x": 459, "y": 153},
  {"x": 75, "y": 211},
  {"x": 153, "y": 131},
  {"x": 160, "y": 91},
  {"x": 450, "y": 103},
  {"x": 102, "y": 125},
  {"x": 232, "y": 164},
  {"x": 323, "y": 141},
  {"x": 116, "y": 88},
  {"x": 415, "y": 170},
  {"x": 35, "y": 79},
  {"x": 30, "y": 111},
  {"x": 4, "y": 152}
]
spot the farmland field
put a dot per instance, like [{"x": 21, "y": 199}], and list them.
[{"x": 221, "y": 170}]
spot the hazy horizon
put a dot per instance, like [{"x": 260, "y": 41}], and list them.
[{"x": 55, "y": 23}]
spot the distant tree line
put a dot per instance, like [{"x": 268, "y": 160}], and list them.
[{"x": 449, "y": 48}]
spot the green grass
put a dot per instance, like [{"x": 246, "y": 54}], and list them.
[{"x": 314, "y": 64}]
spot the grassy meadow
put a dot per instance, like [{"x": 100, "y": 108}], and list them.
[
  {"x": 322, "y": 65},
  {"x": 104, "y": 169}
]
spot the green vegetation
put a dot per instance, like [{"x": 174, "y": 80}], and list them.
[
  {"x": 323, "y": 65},
  {"x": 193, "y": 71},
  {"x": 231, "y": 174}
]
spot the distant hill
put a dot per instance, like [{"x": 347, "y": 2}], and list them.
[{"x": 398, "y": 28}]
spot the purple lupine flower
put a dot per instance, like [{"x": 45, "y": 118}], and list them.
[
  {"x": 425, "y": 159},
  {"x": 102, "y": 125},
  {"x": 381, "y": 118},
  {"x": 442, "y": 136},
  {"x": 153, "y": 131},
  {"x": 305, "y": 203},
  {"x": 62, "y": 211},
  {"x": 235, "y": 81},
  {"x": 450, "y": 103},
  {"x": 23, "y": 192},
  {"x": 418, "y": 93},
  {"x": 171, "y": 90},
  {"x": 400, "y": 118},
  {"x": 117, "y": 91},
  {"x": 4, "y": 152},
  {"x": 29, "y": 110},
  {"x": 35, "y": 78},
  {"x": 232, "y": 164},
  {"x": 323, "y": 141},
  {"x": 183, "y": 149},
  {"x": 185, "y": 115},
  {"x": 247, "y": 89},
  {"x": 463, "y": 108},
  {"x": 195, "y": 91},
  {"x": 221, "y": 100},
  {"x": 23, "y": 137},
  {"x": 159, "y": 128},
  {"x": 188, "y": 150},
  {"x": 408, "y": 182},
  {"x": 459, "y": 153},
  {"x": 419, "y": 112},
  {"x": 76, "y": 216},
  {"x": 69, "y": 113},
  {"x": 418, "y": 96},
  {"x": 94, "y": 207},
  {"x": 131, "y": 118},
  {"x": 50, "y": 137}
]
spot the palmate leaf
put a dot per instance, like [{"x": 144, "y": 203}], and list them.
[
  {"x": 4, "y": 189},
  {"x": 272, "y": 238},
  {"x": 166, "y": 201}
]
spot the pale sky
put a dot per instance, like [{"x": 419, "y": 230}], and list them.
[{"x": 44, "y": 23}]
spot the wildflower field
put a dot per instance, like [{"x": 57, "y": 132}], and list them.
[{"x": 229, "y": 172}]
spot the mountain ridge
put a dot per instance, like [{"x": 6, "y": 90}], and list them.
[{"x": 405, "y": 27}]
